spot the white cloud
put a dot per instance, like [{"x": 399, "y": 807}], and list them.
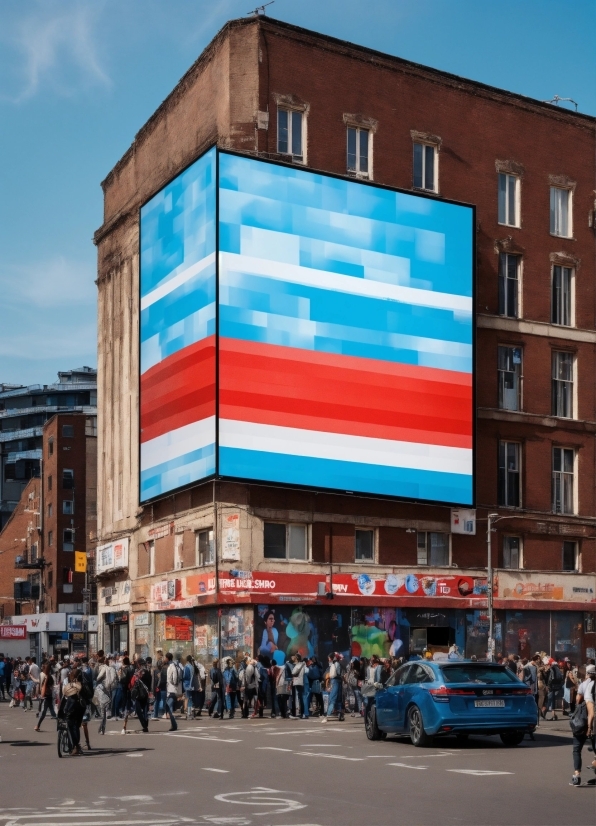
[{"x": 57, "y": 47}]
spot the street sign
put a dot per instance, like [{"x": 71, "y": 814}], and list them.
[{"x": 80, "y": 562}]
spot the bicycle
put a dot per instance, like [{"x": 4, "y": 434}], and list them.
[{"x": 64, "y": 741}]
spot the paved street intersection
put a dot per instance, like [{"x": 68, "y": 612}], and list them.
[{"x": 285, "y": 773}]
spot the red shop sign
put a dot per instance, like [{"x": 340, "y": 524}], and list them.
[{"x": 13, "y": 632}]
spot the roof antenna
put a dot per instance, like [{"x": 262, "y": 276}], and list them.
[
  {"x": 260, "y": 10},
  {"x": 556, "y": 100}
]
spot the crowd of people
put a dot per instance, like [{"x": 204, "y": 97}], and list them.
[{"x": 114, "y": 687}]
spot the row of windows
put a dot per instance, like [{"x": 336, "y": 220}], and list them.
[
  {"x": 291, "y": 141},
  {"x": 563, "y": 381},
  {"x": 433, "y": 549},
  {"x": 563, "y": 479},
  {"x": 562, "y": 307}
]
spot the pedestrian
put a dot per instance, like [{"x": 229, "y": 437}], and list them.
[
  {"x": 251, "y": 685},
  {"x": 570, "y": 689},
  {"x": 555, "y": 687},
  {"x": 315, "y": 675},
  {"x": 216, "y": 704},
  {"x": 298, "y": 687},
  {"x": 2, "y": 677},
  {"x": 160, "y": 689},
  {"x": 582, "y": 723},
  {"x": 335, "y": 692},
  {"x": 140, "y": 688},
  {"x": 173, "y": 689},
  {"x": 187, "y": 684},
  {"x": 46, "y": 693},
  {"x": 73, "y": 708},
  {"x": 105, "y": 681},
  {"x": 262, "y": 668},
  {"x": 230, "y": 681},
  {"x": 354, "y": 683},
  {"x": 282, "y": 689},
  {"x": 198, "y": 688}
]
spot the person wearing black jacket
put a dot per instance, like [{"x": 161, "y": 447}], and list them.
[
  {"x": 216, "y": 705},
  {"x": 160, "y": 689},
  {"x": 140, "y": 694}
]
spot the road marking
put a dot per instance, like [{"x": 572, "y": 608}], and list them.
[
  {"x": 477, "y": 772},
  {"x": 270, "y": 748},
  {"x": 333, "y": 756},
  {"x": 406, "y": 766},
  {"x": 192, "y": 737},
  {"x": 134, "y": 755},
  {"x": 221, "y": 771},
  {"x": 417, "y": 757},
  {"x": 327, "y": 745},
  {"x": 260, "y": 797}
]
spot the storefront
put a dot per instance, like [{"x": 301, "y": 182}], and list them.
[{"x": 115, "y": 632}]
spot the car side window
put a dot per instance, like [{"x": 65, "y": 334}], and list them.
[
  {"x": 414, "y": 675},
  {"x": 424, "y": 675}
]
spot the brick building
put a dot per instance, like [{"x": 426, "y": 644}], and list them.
[
  {"x": 55, "y": 516},
  {"x": 277, "y": 92}
]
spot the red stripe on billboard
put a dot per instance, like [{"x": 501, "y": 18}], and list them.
[
  {"x": 179, "y": 390},
  {"x": 270, "y": 384}
]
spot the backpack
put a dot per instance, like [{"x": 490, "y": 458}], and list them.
[
  {"x": 556, "y": 678},
  {"x": 263, "y": 678},
  {"x": 579, "y": 719},
  {"x": 138, "y": 689},
  {"x": 86, "y": 693}
]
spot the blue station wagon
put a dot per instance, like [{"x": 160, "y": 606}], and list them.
[{"x": 425, "y": 699}]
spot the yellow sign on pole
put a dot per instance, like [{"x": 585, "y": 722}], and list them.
[{"x": 80, "y": 562}]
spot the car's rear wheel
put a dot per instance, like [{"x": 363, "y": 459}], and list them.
[
  {"x": 512, "y": 738},
  {"x": 416, "y": 725},
  {"x": 373, "y": 731}
]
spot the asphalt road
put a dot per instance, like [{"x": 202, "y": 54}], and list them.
[{"x": 285, "y": 773}]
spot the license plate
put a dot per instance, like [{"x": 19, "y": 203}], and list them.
[{"x": 489, "y": 703}]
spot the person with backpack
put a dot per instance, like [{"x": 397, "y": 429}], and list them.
[
  {"x": 315, "y": 674},
  {"x": 298, "y": 687},
  {"x": 140, "y": 688},
  {"x": 262, "y": 668},
  {"x": 230, "y": 681},
  {"x": 173, "y": 688},
  {"x": 251, "y": 685},
  {"x": 72, "y": 708},
  {"x": 582, "y": 723},
  {"x": 555, "y": 687}
]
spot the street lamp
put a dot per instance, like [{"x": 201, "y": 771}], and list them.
[{"x": 493, "y": 518}]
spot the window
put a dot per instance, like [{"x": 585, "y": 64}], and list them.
[
  {"x": 50, "y": 447},
  {"x": 289, "y": 133},
  {"x": 509, "y": 462},
  {"x": 560, "y": 212},
  {"x": 50, "y": 509},
  {"x": 68, "y": 540},
  {"x": 205, "y": 547},
  {"x": 508, "y": 200},
  {"x": 562, "y": 384},
  {"x": 68, "y": 506},
  {"x": 49, "y": 483},
  {"x": 509, "y": 372},
  {"x": 365, "y": 546},
  {"x": 570, "y": 556},
  {"x": 511, "y": 552},
  {"x": 68, "y": 431},
  {"x": 561, "y": 308},
  {"x": 50, "y": 537},
  {"x": 152, "y": 557},
  {"x": 67, "y": 479},
  {"x": 563, "y": 480},
  {"x": 433, "y": 549},
  {"x": 425, "y": 165},
  {"x": 358, "y": 150},
  {"x": 509, "y": 266},
  {"x": 285, "y": 541},
  {"x": 67, "y": 588}
]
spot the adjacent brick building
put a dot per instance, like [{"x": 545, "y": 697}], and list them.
[{"x": 286, "y": 94}]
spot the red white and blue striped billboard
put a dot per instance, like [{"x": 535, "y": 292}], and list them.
[{"x": 343, "y": 327}]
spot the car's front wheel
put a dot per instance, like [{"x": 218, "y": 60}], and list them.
[
  {"x": 512, "y": 738},
  {"x": 416, "y": 725},
  {"x": 373, "y": 732}
]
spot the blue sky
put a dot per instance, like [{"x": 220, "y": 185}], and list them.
[{"x": 78, "y": 78}]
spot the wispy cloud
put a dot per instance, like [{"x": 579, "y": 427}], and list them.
[{"x": 55, "y": 47}]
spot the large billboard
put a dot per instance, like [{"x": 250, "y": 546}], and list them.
[
  {"x": 177, "y": 332},
  {"x": 344, "y": 335}
]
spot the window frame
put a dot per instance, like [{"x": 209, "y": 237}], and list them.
[
  {"x": 427, "y": 549},
  {"x": 502, "y": 372},
  {"x": 287, "y": 544},
  {"x": 373, "y": 558},
  {"x": 553, "y": 211},
  {"x": 576, "y": 557},
  {"x": 557, "y": 386},
  {"x": 503, "y": 501},
  {"x": 290, "y": 110},
  {"x": 200, "y": 562},
  {"x": 509, "y": 176},
  {"x": 435, "y": 153},
  {"x": 66, "y": 502},
  {"x": 356, "y": 171},
  {"x": 68, "y": 431},
  {"x": 66, "y": 478},
  {"x": 520, "y": 555},
  {"x": 571, "y": 293},
  {"x": 559, "y": 476},
  {"x": 503, "y": 284},
  {"x": 66, "y": 542}
]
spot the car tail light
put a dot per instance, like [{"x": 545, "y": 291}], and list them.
[
  {"x": 521, "y": 691},
  {"x": 442, "y": 694}
]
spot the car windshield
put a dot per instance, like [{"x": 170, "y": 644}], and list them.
[{"x": 477, "y": 673}]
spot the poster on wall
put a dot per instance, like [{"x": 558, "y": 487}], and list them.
[
  {"x": 281, "y": 631},
  {"x": 230, "y": 541},
  {"x": 376, "y": 631}
]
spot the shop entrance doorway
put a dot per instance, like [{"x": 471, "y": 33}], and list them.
[{"x": 435, "y": 639}]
